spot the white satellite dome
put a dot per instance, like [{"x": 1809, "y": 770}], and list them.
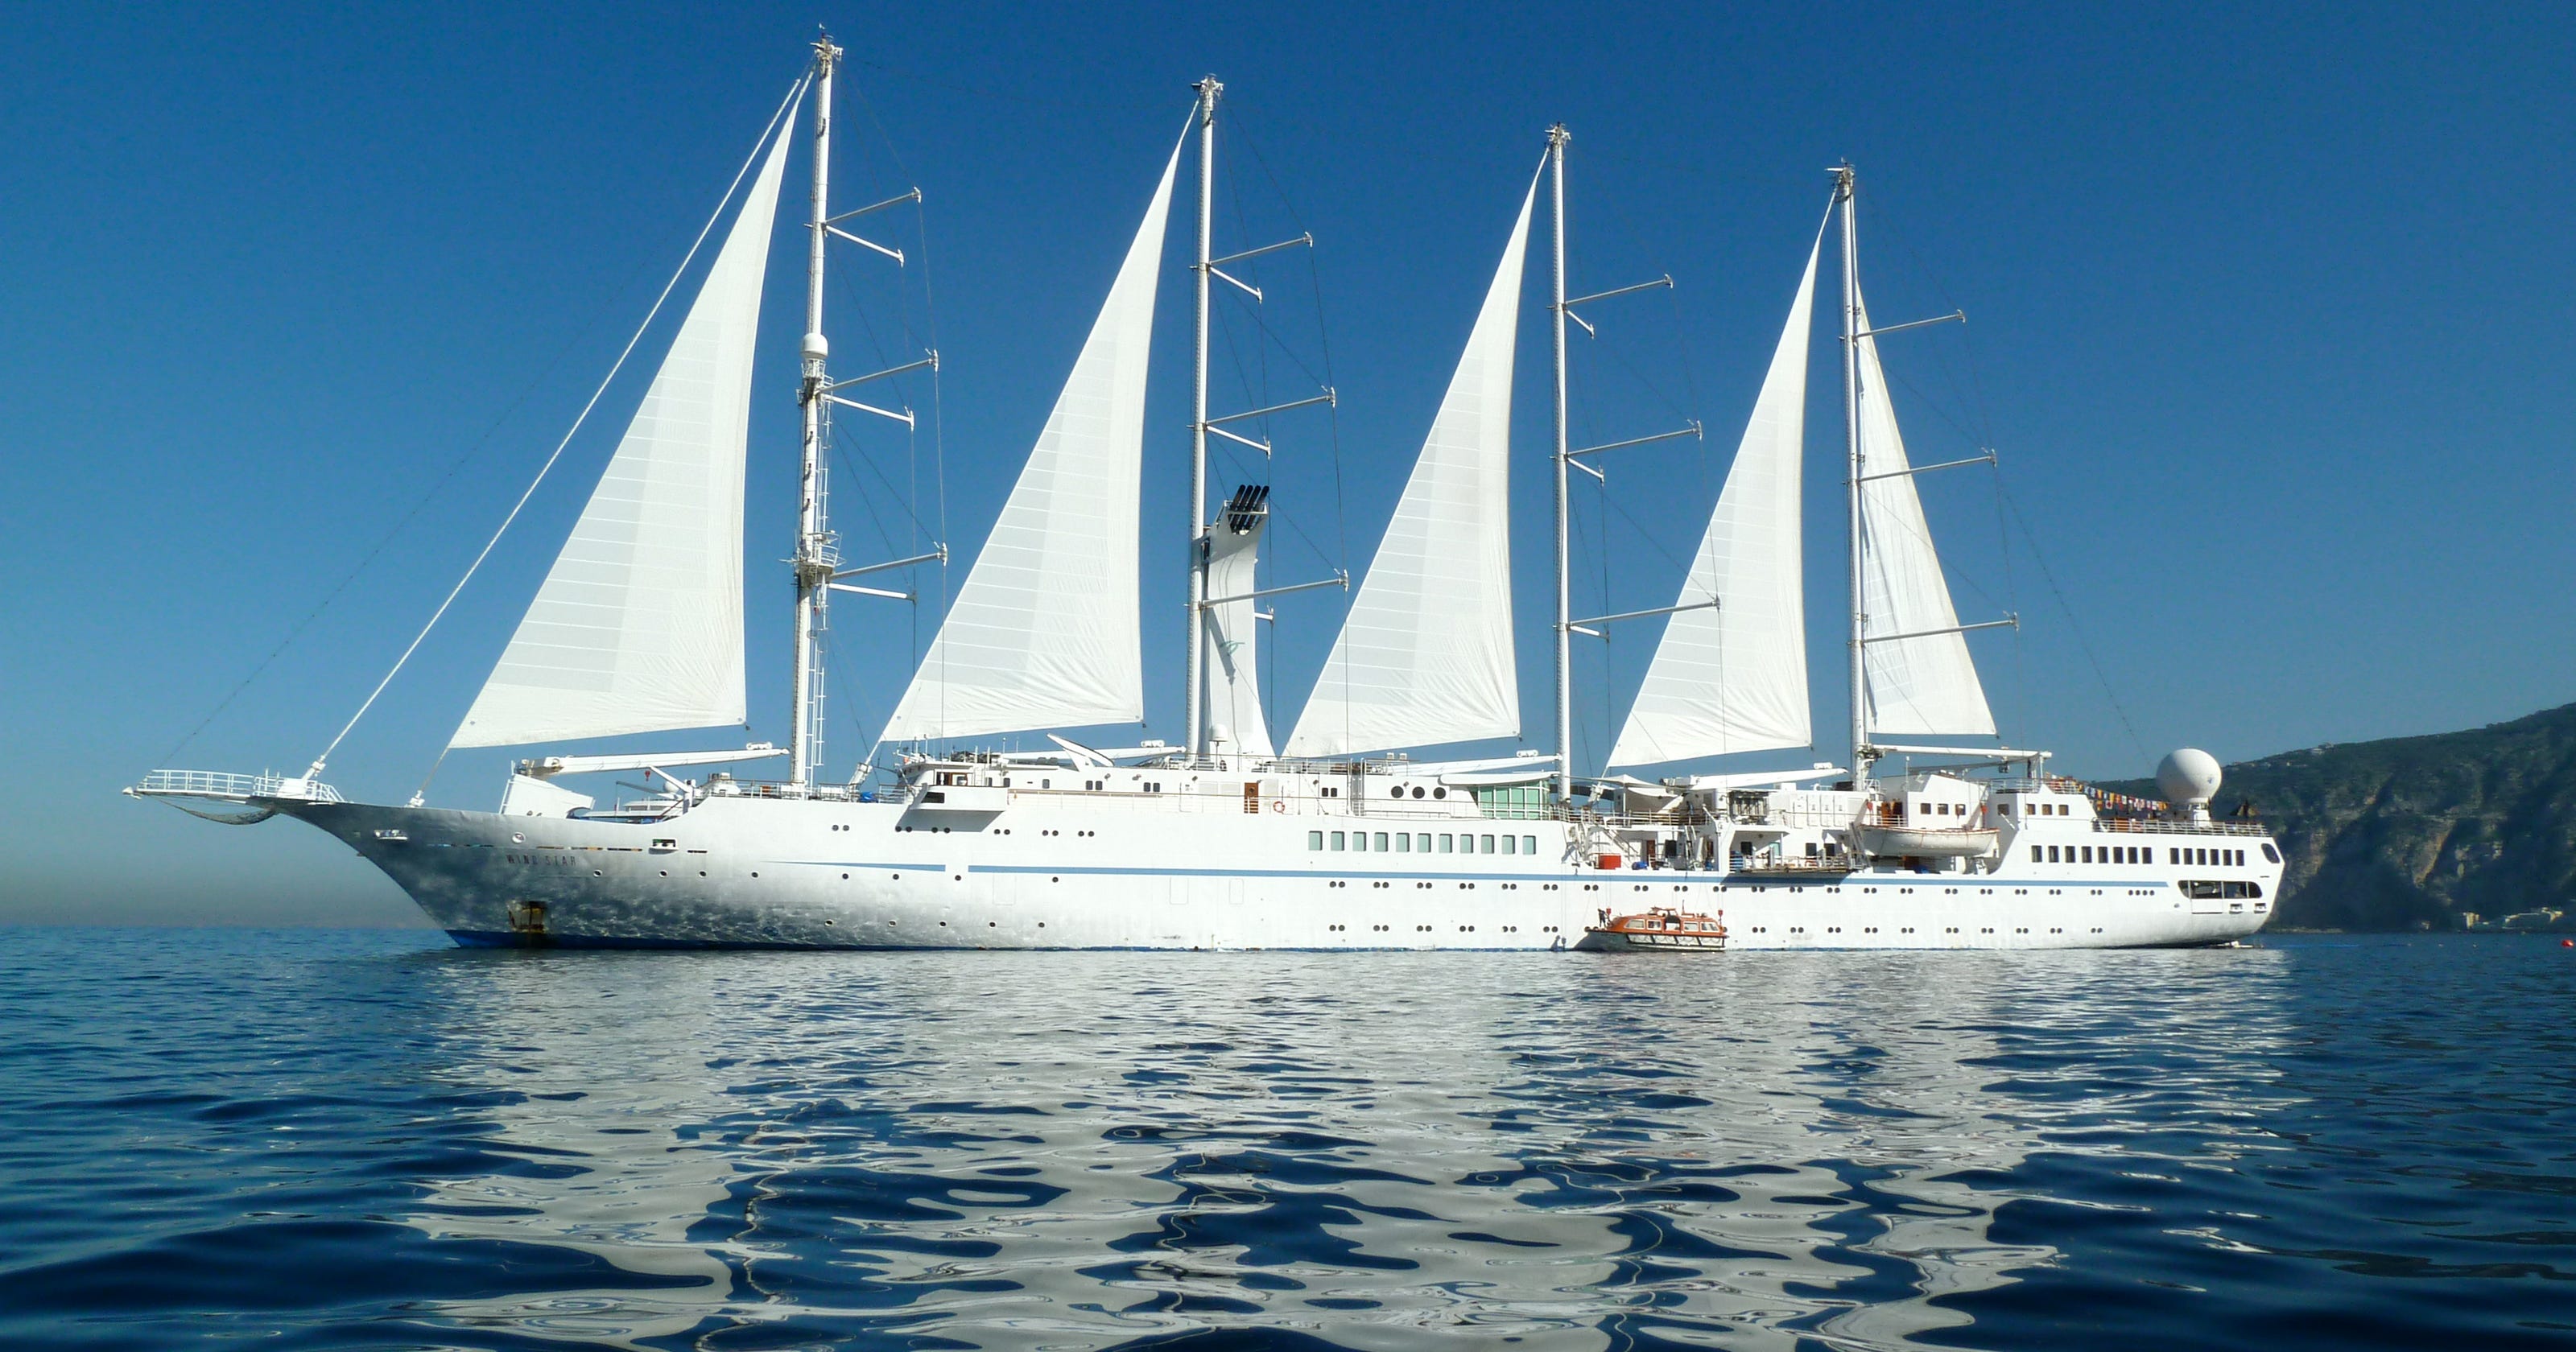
[{"x": 2189, "y": 778}]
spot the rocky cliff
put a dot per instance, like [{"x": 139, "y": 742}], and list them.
[{"x": 2413, "y": 831}]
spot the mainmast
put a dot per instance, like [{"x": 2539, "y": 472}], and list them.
[
  {"x": 1557, "y": 136},
  {"x": 1208, "y": 90},
  {"x": 1860, "y": 748},
  {"x": 815, "y": 557}
]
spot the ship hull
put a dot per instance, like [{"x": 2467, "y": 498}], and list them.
[{"x": 835, "y": 874}]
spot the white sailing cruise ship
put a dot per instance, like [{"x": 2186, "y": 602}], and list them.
[{"x": 1332, "y": 839}]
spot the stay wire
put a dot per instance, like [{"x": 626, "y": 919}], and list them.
[
  {"x": 793, "y": 94},
  {"x": 2072, "y": 626}
]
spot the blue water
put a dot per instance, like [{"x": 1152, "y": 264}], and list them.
[{"x": 374, "y": 1139}]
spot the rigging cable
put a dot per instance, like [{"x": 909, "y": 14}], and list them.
[{"x": 794, "y": 93}]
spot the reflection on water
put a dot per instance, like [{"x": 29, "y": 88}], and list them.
[
  {"x": 321, "y": 1140},
  {"x": 1055, "y": 1150}
]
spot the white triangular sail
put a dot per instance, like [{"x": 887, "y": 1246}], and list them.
[
  {"x": 638, "y": 627},
  {"x": 1232, "y": 660},
  {"x": 1425, "y": 655},
  {"x": 1044, "y": 634},
  {"x": 1734, "y": 678},
  {"x": 1916, "y": 685}
]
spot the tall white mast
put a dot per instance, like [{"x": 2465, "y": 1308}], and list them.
[
  {"x": 1557, "y": 136},
  {"x": 1208, "y": 90},
  {"x": 814, "y": 554},
  {"x": 1852, "y": 470}
]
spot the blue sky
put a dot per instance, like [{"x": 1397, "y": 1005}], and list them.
[{"x": 2267, "y": 321}]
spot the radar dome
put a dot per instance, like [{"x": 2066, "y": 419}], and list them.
[{"x": 2188, "y": 778}]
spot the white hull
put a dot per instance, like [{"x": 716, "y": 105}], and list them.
[{"x": 1078, "y": 873}]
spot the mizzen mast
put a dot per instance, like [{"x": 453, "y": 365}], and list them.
[
  {"x": 1860, "y": 748},
  {"x": 1557, "y": 136}
]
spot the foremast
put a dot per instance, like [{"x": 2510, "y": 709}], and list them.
[{"x": 816, "y": 554}]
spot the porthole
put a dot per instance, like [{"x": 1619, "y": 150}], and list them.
[
  {"x": 1443, "y": 793},
  {"x": 1396, "y": 792}
]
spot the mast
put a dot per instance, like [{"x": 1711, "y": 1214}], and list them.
[
  {"x": 1208, "y": 90},
  {"x": 1557, "y": 136},
  {"x": 1852, "y": 468},
  {"x": 814, "y": 554}
]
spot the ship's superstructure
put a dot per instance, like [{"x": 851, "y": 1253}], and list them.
[{"x": 1333, "y": 836}]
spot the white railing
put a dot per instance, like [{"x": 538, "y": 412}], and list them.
[
  {"x": 2156, "y": 827},
  {"x": 232, "y": 787}
]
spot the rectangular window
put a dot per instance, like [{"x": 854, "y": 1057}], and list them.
[
  {"x": 1529, "y": 844},
  {"x": 1314, "y": 840},
  {"x": 2035, "y": 856},
  {"x": 1423, "y": 842},
  {"x": 2240, "y": 859},
  {"x": 1404, "y": 842},
  {"x": 1445, "y": 838},
  {"x": 2172, "y": 855},
  {"x": 2052, "y": 854},
  {"x": 1511, "y": 844},
  {"x": 1359, "y": 840},
  {"x": 1337, "y": 840},
  {"x": 1487, "y": 847},
  {"x": 1381, "y": 842},
  {"x": 2088, "y": 854}
]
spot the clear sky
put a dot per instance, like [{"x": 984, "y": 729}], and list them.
[{"x": 2268, "y": 323}]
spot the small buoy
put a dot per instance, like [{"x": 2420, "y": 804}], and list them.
[{"x": 2567, "y": 943}]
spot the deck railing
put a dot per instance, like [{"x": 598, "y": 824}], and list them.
[{"x": 225, "y": 785}]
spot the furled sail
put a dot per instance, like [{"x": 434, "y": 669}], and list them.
[
  {"x": 1044, "y": 634},
  {"x": 1233, "y": 714},
  {"x": 1425, "y": 655},
  {"x": 1734, "y": 678},
  {"x": 638, "y": 626},
  {"x": 1916, "y": 685}
]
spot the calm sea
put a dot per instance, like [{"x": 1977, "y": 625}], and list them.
[{"x": 372, "y": 1139}]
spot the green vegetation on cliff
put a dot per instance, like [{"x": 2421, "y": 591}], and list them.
[{"x": 2412, "y": 831}]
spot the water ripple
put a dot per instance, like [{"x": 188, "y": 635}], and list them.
[{"x": 330, "y": 1140}]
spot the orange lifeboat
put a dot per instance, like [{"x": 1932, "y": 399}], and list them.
[{"x": 1660, "y": 929}]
